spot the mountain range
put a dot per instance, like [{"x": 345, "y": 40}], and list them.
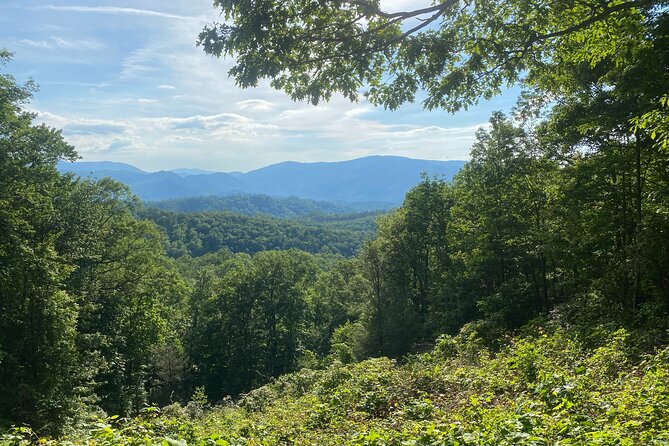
[{"x": 373, "y": 182}]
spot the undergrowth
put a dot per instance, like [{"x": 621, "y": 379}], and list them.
[{"x": 545, "y": 389}]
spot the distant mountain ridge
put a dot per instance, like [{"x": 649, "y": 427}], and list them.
[
  {"x": 376, "y": 181},
  {"x": 185, "y": 172},
  {"x": 257, "y": 204}
]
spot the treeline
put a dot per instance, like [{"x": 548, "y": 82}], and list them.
[
  {"x": 255, "y": 204},
  {"x": 522, "y": 233},
  {"x": 85, "y": 288},
  {"x": 196, "y": 234}
]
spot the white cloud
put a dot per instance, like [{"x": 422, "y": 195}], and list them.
[
  {"x": 56, "y": 42},
  {"x": 153, "y": 136},
  {"x": 116, "y": 10},
  {"x": 119, "y": 101},
  {"x": 79, "y": 124},
  {"x": 403, "y": 5},
  {"x": 95, "y": 85},
  {"x": 204, "y": 120},
  {"x": 199, "y": 121},
  {"x": 354, "y": 112},
  {"x": 36, "y": 43},
  {"x": 78, "y": 44},
  {"x": 138, "y": 63},
  {"x": 255, "y": 105}
]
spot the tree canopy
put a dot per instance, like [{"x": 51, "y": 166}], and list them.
[{"x": 454, "y": 51}]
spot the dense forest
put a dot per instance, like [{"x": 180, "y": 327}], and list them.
[
  {"x": 256, "y": 204},
  {"x": 523, "y": 302},
  {"x": 199, "y": 233}
]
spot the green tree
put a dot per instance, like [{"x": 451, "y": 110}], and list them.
[
  {"x": 85, "y": 287},
  {"x": 616, "y": 178},
  {"x": 407, "y": 269},
  {"x": 455, "y": 51},
  {"x": 251, "y": 323},
  {"x": 504, "y": 223},
  {"x": 127, "y": 290},
  {"x": 39, "y": 380},
  {"x": 335, "y": 298},
  {"x": 378, "y": 311}
]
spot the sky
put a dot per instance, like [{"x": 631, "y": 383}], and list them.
[{"x": 126, "y": 82}]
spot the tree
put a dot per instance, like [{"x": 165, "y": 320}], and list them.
[
  {"x": 250, "y": 324},
  {"x": 85, "y": 288},
  {"x": 505, "y": 222},
  {"x": 125, "y": 288},
  {"x": 39, "y": 379},
  {"x": 380, "y": 331},
  {"x": 456, "y": 51},
  {"x": 335, "y": 299},
  {"x": 406, "y": 266},
  {"x": 608, "y": 127}
]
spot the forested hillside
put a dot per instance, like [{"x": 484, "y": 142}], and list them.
[
  {"x": 196, "y": 234},
  {"x": 525, "y": 302},
  {"x": 249, "y": 204}
]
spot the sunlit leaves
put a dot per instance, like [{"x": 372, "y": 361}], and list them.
[
  {"x": 456, "y": 52},
  {"x": 655, "y": 123}
]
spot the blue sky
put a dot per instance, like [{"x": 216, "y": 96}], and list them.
[{"x": 125, "y": 82}]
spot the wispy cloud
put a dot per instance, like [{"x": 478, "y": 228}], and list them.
[
  {"x": 121, "y": 101},
  {"x": 166, "y": 104},
  {"x": 116, "y": 10},
  {"x": 84, "y": 125},
  {"x": 56, "y": 42},
  {"x": 77, "y": 84},
  {"x": 36, "y": 43},
  {"x": 79, "y": 44},
  {"x": 139, "y": 63},
  {"x": 255, "y": 105}
]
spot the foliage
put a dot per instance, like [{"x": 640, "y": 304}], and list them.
[
  {"x": 248, "y": 204},
  {"x": 454, "y": 51},
  {"x": 250, "y": 322},
  {"x": 656, "y": 123},
  {"x": 539, "y": 390},
  {"x": 532, "y": 224},
  {"x": 196, "y": 234},
  {"x": 84, "y": 286},
  {"x": 38, "y": 370},
  {"x": 125, "y": 289}
]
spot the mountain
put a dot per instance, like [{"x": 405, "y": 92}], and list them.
[
  {"x": 88, "y": 167},
  {"x": 255, "y": 204},
  {"x": 373, "y": 178},
  {"x": 372, "y": 182},
  {"x": 188, "y": 172}
]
